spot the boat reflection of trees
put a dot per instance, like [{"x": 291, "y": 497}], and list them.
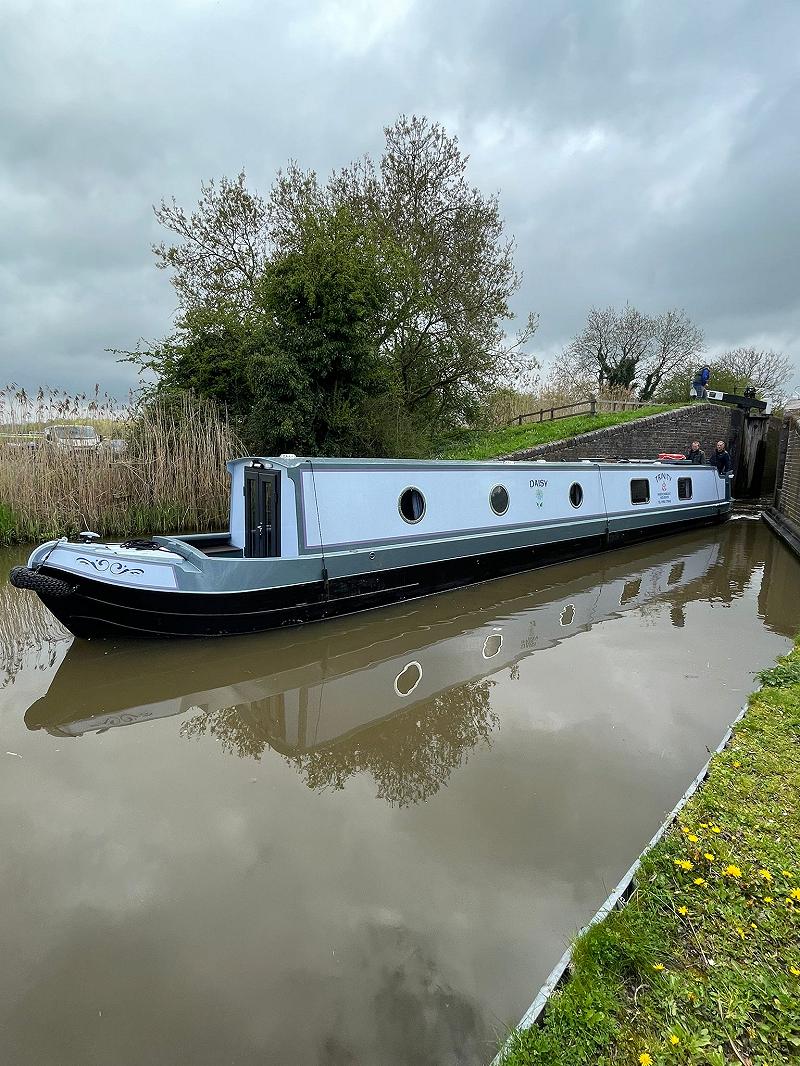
[{"x": 409, "y": 756}]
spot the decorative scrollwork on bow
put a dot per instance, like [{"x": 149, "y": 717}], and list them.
[{"x": 116, "y": 568}]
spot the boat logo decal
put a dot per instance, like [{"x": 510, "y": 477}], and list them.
[
  {"x": 115, "y": 568},
  {"x": 539, "y": 483},
  {"x": 663, "y": 480}
]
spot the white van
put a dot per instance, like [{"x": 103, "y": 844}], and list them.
[{"x": 72, "y": 438}]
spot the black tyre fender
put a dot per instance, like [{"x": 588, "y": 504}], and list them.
[{"x": 22, "y": 577}]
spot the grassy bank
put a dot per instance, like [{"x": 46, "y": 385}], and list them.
[
  {"x": 171, "y": 477},
  {"x": 507, "y": 439},
  {"x": 703, "y": 964}
]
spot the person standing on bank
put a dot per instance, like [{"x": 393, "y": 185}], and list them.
[
  {"x": 721, "y": 459},
  {"x": 696, "y": 453}
]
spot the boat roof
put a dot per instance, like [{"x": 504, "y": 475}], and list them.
[{"x": 289, "y": 462}]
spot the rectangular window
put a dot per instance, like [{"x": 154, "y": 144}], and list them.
[
  {"x": 630, "y": 591},
  {"x": 676, "y": 573},
  {"x": 684, "y": 488},
  {"x": 640, "y": 490}
]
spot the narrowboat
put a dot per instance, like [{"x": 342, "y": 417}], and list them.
[{"x": 309, "y": 539}]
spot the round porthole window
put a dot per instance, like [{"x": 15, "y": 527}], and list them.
[
  {"x": 492, "y": 645},
  {"x": 408, "y": 679},
  {"x": 575, "y": 494},
  {"x": 498, "y": 499},
  {"x": 411, "y": 505}
]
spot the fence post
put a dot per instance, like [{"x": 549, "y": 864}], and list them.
[{"x": 593, "y": 404}]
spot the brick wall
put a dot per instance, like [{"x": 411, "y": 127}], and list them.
[
  {"x": 645, "y": 438},
  {"x": 788, "y": 491},
  {"x": 784, "y": 516}
]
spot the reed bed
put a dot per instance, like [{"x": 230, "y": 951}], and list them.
[{"x": 171, "y": 476}]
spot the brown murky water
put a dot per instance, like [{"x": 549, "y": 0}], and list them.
[{"x": 364, "y": 842}]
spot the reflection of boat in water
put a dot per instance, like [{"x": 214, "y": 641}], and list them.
[{"x": 331, "y": 685}]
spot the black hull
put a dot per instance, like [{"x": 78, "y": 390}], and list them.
[{"x": 97, "y": 609}]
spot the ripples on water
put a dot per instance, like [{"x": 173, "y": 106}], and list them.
[{"x": 455, "y": 777}]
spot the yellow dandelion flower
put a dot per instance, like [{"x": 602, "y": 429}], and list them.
[
  {"x": 768, "y": 899},
  {"x": 736, "y": 763},
  {"x": 699, "y": 881},
  {"x": 683, "y": 910},
  {"x": 793, "y": 970},
  {"x": 658, "y": 966},
  {"x": 684, "y": 828},
  {"x": 732, "y": 871},
  {"x": 674, "y": 1039},
  {"x": 753, "y": 925},
  {"x": 715, "y": 829},
  {"x": 684, "y": 864},
  {"x": 787, "y": 874},
  {"x": 765, "y": 874},
  {"x": 795, "y": 893},
  {"x": 645, "y": 1059},
  {"x": 740, "y": 932},
  {"x": 704, "y": 825},
  {"x": 708, "y": 855},
  {"x": 694, "y": 839}
]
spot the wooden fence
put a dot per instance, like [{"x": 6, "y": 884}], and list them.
[{"x": 592, "y": 406}]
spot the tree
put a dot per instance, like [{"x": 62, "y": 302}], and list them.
[
  {"x": 628, "y": 349},
  {"x": 769, "y": 371},
  {"x": 443, "y": 325},
  {"x": 439, "y": 279},
  {"x": 223, "y": 246},
  {"x": 316, "y": 363}
]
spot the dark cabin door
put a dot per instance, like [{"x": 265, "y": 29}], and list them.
[{"x": 261, "y": 513}]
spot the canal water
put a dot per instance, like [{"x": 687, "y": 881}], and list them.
[{"x": 363, "y": 842}]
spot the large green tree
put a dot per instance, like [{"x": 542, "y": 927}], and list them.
[{"x": 368, "y": 312}]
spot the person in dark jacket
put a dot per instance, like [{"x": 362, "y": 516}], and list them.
[
  {"x": 696, "y": 453},
  {"x": 721, "y": 459}
]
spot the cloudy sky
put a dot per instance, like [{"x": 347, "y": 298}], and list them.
[{"x": 642, "y": 151}]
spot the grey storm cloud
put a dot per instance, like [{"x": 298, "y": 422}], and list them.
[{"x": 642, "y": 152}]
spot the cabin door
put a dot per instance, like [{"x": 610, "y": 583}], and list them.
[{"x": 261, "y": 513}]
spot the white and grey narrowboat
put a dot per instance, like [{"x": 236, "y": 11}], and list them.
[{"x": 311, "y": 539}]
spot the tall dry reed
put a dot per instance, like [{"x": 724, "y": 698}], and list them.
[{"x": 170, "y": 477}]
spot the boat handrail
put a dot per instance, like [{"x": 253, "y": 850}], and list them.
[{"x": 179, "y": 547}]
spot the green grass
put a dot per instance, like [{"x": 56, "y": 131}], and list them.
[
  {"x": 487, "y": 444},
  {"x": 703, "y": 964}
]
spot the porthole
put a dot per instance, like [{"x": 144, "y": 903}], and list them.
[
  {"x": 492, "y": 645},
  {"x": 498, "y": 499},
  {"x": 411, "y": 505},
  {"x": 408, "y": 679},
  {"x": 575, "y": 494}
]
